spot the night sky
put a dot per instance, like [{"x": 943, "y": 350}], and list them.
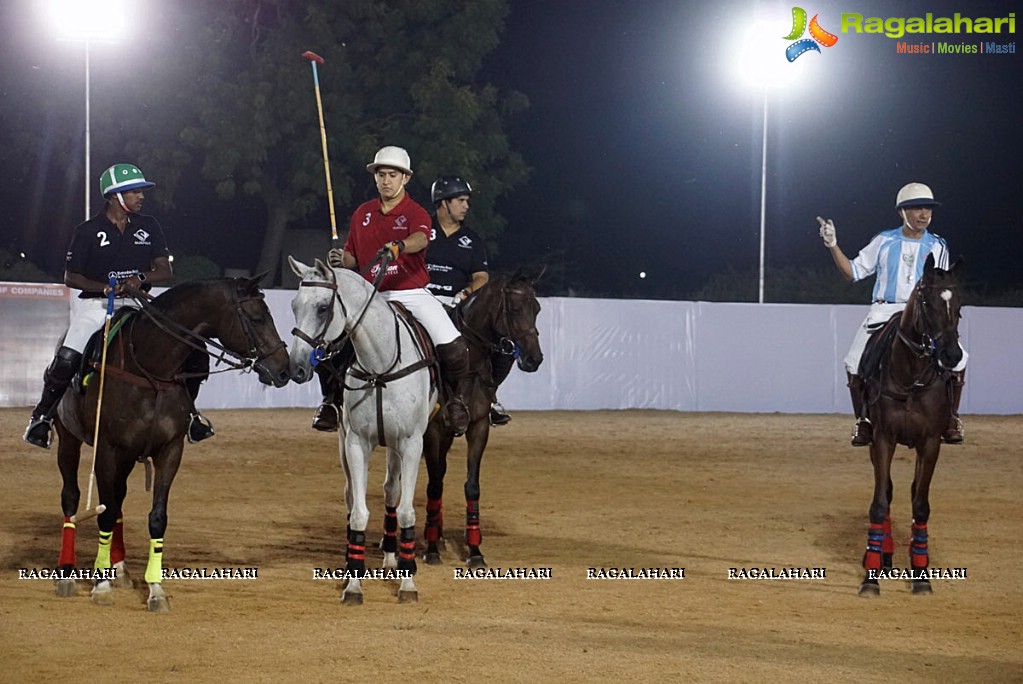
[{"x": 645, "y": 147}]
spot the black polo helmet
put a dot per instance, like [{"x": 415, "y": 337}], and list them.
[{"x": 447, "y": 187}]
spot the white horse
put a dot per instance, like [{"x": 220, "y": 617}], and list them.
[{"x": 387, "y": 401}]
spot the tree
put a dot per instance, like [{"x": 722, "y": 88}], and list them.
[{"x": 396, "y": 73}]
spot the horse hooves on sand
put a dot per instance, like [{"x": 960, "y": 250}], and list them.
[
  {"x": 103, "y": 594},
  {"x": 66, "y": 587},
  {"x": 158, "y": 602},
  {"x": 870, "y": 589},
  {"x": 922, "y": 587},
  {"x": 432, "y": 558},
  {"x": 408, "y": 596},
  {"x": 351, "y": 598},
  {"x": 122, "y": 580},
  {"x": 476, "y": 562}
]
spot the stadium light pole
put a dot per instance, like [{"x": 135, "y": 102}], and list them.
[
  {"x": 89, "y": 22},
  {"x": 762, "y": 67}
]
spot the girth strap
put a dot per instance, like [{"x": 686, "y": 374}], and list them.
[{"x": 378, "y": 382}]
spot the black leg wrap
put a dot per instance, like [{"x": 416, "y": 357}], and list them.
[
  {"x": 390, "y": 544},
  {"x": 407, "y": 550},
  {"x": 356, "y": 553}
]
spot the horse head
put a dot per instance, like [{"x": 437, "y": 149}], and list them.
[
  {"x": 511, "y": 308},
  {"x": 256, "y": 333},
  {"x": 934, "y": 311},
  {"x": 316, "y": 324}
]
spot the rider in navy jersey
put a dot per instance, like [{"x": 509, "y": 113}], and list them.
[
  {"x": 120, "y": 243},
  {"x": 897, "y": 259},
  {"x": 457, "y": 262}
]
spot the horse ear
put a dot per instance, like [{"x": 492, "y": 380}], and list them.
[
  {"x": 298, "y": 267},
  {"x": 322, "y": 268},
  {"x": 929, "y": 264},
  {"x": 959, "y": 265}
]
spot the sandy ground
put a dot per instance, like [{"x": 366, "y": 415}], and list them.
[{"x": 561, "y": 490}]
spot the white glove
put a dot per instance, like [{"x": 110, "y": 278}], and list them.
[
  {"x": 828, "y": 232},
  {"x": 459, "y": 297},
  {"x": 335, "y": 258}
]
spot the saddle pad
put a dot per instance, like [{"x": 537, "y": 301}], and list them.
[{"x": 876, "y": 351}]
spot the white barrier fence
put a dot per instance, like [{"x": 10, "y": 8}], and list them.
[{"x": 606, "y": 354}]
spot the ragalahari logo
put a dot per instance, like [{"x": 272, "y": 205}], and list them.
[{"x": 818, "y": 35}]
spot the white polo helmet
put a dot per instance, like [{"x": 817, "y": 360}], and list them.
[
  {"x": 394, "y": 157},
  {"x": 915, "y": 195}
]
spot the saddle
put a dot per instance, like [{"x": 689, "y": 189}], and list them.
[
  {"x": 93, "y": 354},
  {"x": 872, "y": 363}
]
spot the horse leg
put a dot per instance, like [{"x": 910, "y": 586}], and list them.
[
  {"x": 117, "y": 553},
  {"x": 408, "y": 456},
  {"x": 68, "y": 457},
  {"x": 435, "y": 447},
  {"x": 477, "y": 442},
  {"x": 881, "y": 451},
  {"x": 111, "y": 483},
  {"x": 888, "y": 543},
  {"x": 392, "y": 484},
  {"x": 926, "y": 460},
  {"x": 165, "y": 466},
  {"x": 357, "y": 452}
]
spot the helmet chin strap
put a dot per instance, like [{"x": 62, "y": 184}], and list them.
[{"x": 120, "y": 200}]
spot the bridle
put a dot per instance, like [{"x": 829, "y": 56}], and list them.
[
  {"x": 252, "y": 359},
  {"x": 922, "y": 324},
  {"x": 507, "y": 343}
]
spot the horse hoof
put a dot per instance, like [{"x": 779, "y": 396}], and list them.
[
  {"x": 922, "y": 587},
  {"x": 432, "y": 558},
  {"x": 158, "y": 604},
  {"x": 103, "y": 594},
  {"x": 870, "y": 589},
  {"x": 351, "y": 599},
  {"x": 476, "y": 562},
  {"x": 406, "y": 596},
  {"x": 390, "y": 561},
  {"x": 122, "y": 580},
  {"x": 66, "y": 587}
]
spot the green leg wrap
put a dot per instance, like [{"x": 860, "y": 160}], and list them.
[
  {"x": 154, "y": 568},
  {"x": 103, "y": 552}
]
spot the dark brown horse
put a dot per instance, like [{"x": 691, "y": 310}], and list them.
[
  {"x": 908, "y": 402},
  {"x": 499, "y": 318},
  {"x": 145, "y": 409}
]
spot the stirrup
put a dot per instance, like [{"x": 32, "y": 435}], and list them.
[
  {"x": 327, "y": 420},
  {"x": 39, "y": 432},
  {"x": 954, "y": 431},
  {"x": 498, "y": 415},
  {"x": 863, "y": 433},
  {"x": 199, "y": 428}
]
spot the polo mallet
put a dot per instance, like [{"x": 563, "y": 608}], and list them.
[
  {"x": 315, "y": 59},
  {"x": 89, "y": 510}
]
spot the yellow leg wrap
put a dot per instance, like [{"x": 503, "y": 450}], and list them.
[
  {"x": 103, "y": 552},
  {"x": 154, "y": 568}
]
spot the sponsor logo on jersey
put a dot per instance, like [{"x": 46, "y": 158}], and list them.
[{"x": 141, "y": 237}]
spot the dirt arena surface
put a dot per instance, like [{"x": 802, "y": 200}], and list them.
[{"x": 561, "y": 490}]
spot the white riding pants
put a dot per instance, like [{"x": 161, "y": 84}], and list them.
[
  {"x": 430, "y": 313},
  {"x": 87, "y": 316}
]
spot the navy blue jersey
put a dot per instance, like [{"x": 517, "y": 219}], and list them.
[
  {"x": 99, "y": 251},
  {"x": 451, "y": 260}
]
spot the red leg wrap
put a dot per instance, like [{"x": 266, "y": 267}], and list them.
[
  {"x": 888, "y": 543},
  {"x": 875, "y": 537},
  {"x": 434, "y": 520},
  {"x": 117, "y": 543},
  {"x": 67, "y": 544},
  {"x": 918, "y": 547},
  {"x": 473, "y": 536}
]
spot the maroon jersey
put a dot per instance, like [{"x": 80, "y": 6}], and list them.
[{"x": 371, "y": 229}]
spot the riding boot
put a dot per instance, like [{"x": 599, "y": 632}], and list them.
[
  {"x": 197, "y": 370},
  {"x": 500, "y": 365},
  {"x": 863, "y": 431},
  {"x": 454, "y": 364},
  {"x": 328, "y": 414},
  {"x": 954, "y": 431},
  {"x": 55, "y": 381}
]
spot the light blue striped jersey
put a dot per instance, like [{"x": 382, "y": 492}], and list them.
[{"x": 898, "y": 262}]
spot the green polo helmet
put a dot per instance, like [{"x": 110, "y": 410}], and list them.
[{"x": 121, "y": 178}]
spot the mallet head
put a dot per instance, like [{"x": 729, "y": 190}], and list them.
[{"x": 312, "y": 57}]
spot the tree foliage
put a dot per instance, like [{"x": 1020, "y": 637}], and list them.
[{"x": 398, "y": 73}]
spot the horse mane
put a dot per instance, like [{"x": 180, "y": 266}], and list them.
[{"x": 174, "y": 295}]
